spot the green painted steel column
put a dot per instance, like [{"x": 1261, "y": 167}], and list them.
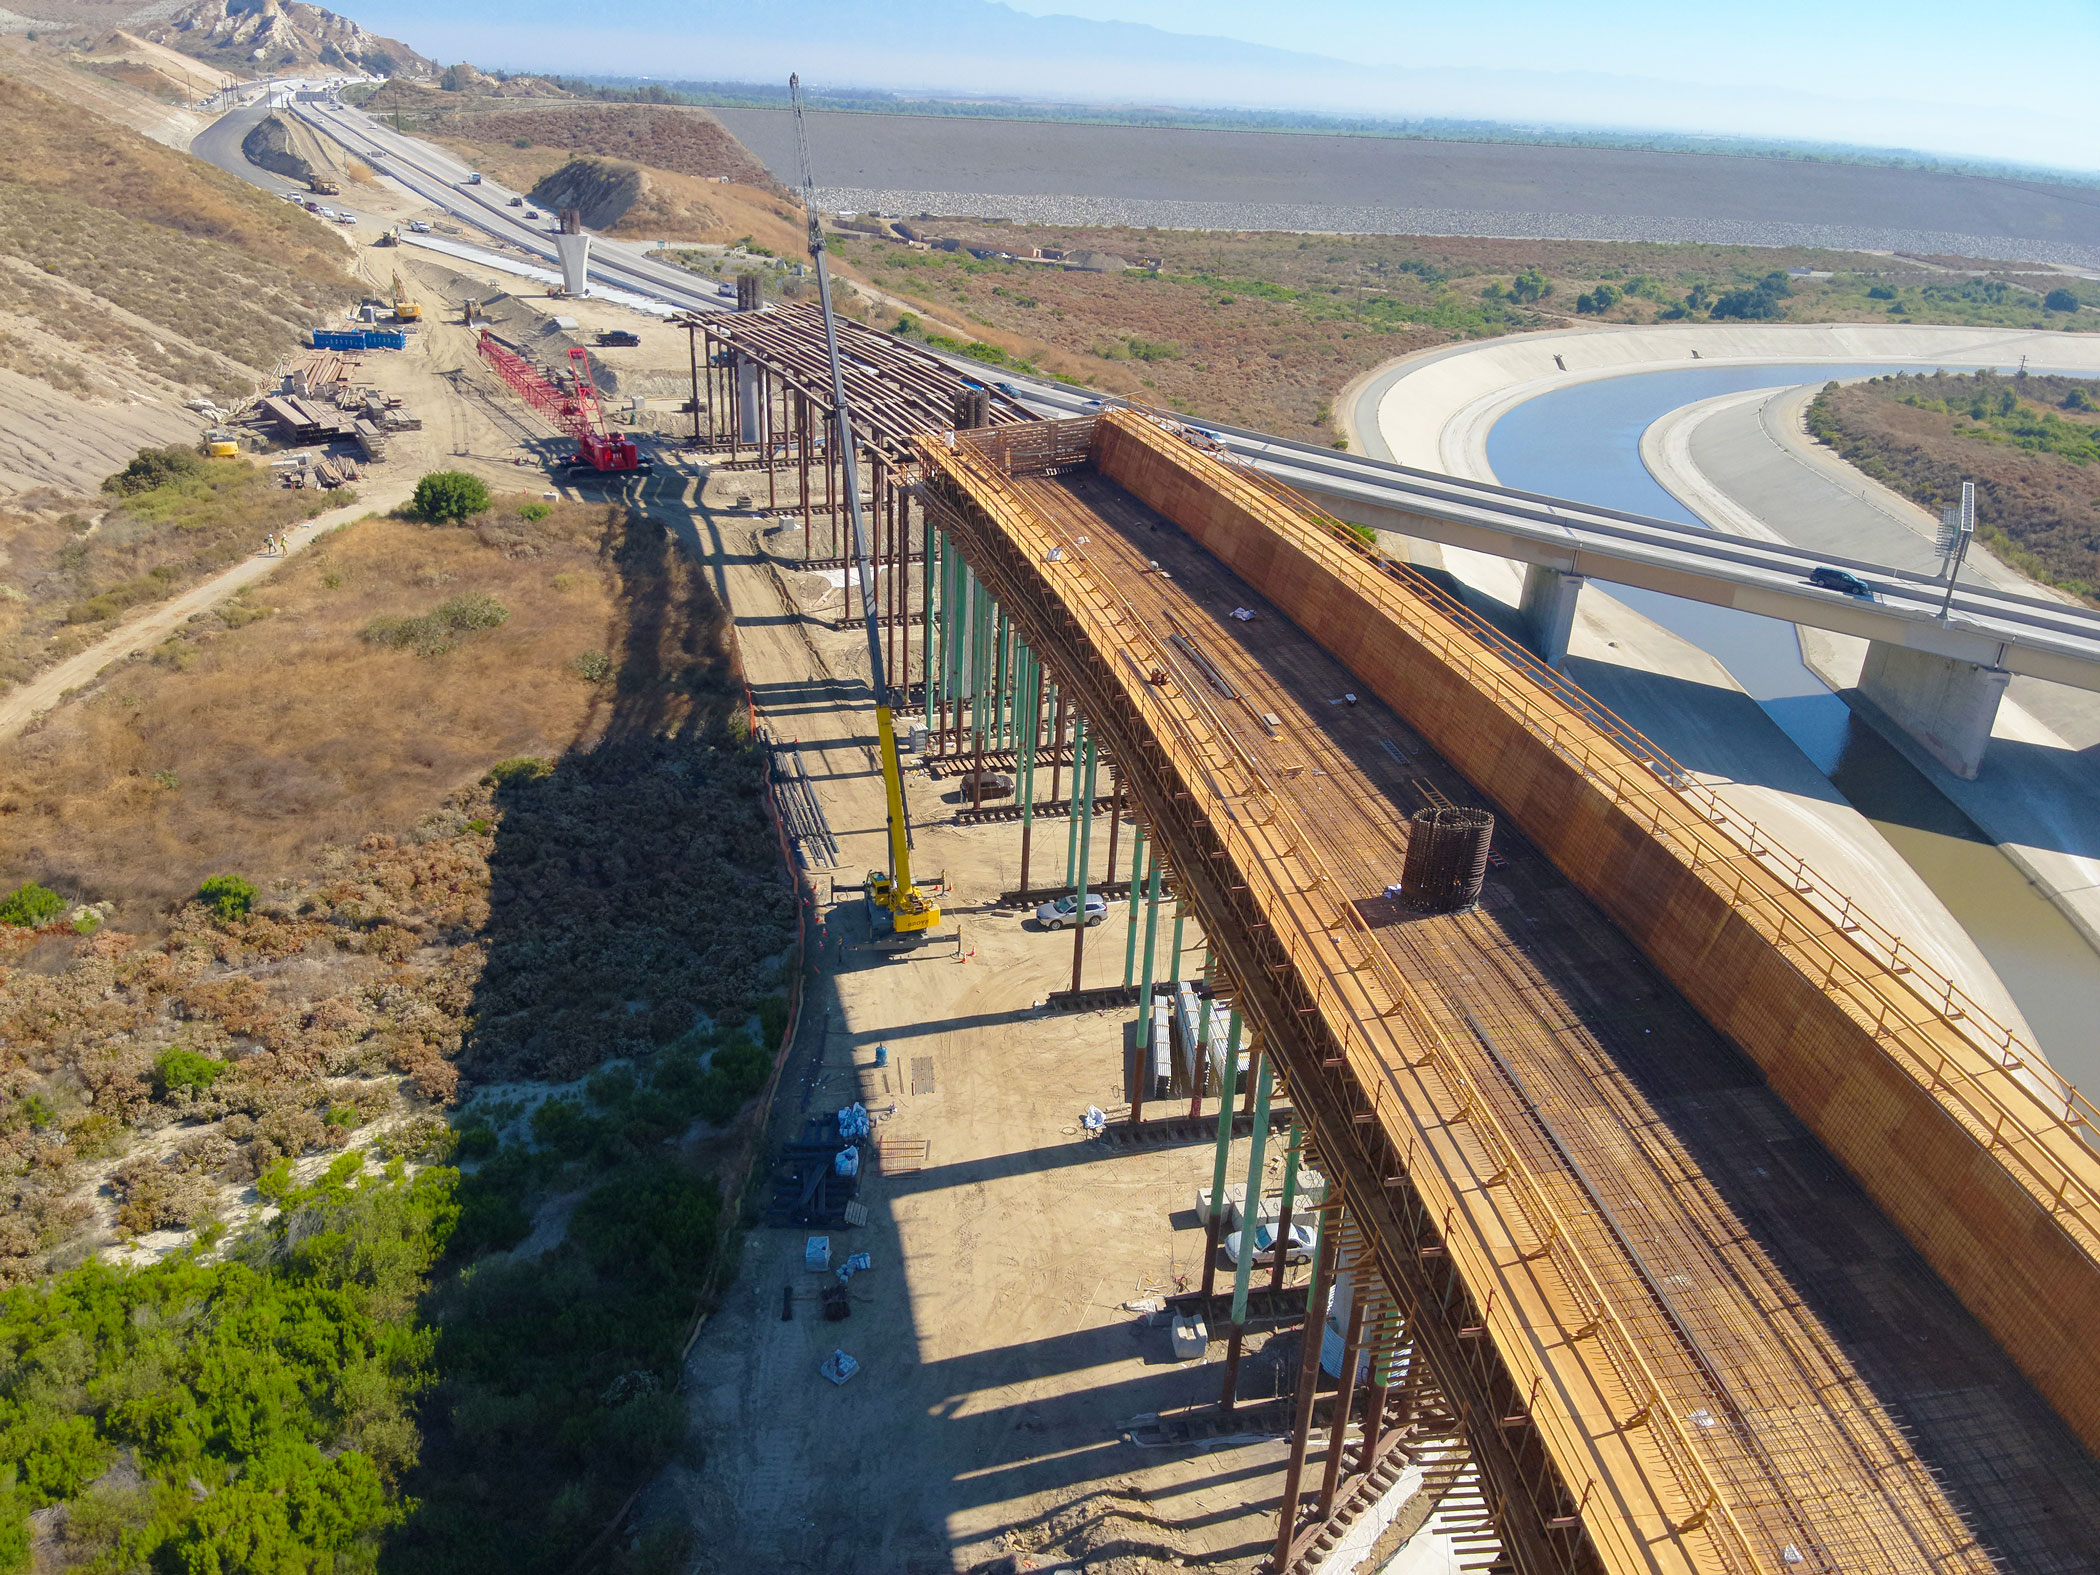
[
  {"x": 1006, "y": 679},
  {"x": 1137, "y": 886},
  {"x": 1151, "y": 937},
  {"x": 927, "y": 624},
  {"x": 1181, "y": 913},
  {"x": 1228, "y": 1091},
  {"x": 1086, "y": 838},
  {"x": 951, "y": 620},
  {"x": 1024, "y": 772},
  {"x": 1263, "y": 1081},
  {"x": 1072, "y": 831}
]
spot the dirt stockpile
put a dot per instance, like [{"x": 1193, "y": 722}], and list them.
[
  {"x": 2031, "y": 445},
  {"x": 683, "y": 141}
]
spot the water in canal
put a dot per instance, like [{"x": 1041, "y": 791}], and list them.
[{"x": 1584, "y": 442}]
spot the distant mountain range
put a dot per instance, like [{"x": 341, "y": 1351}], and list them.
[{"x": 980, "y": 46}]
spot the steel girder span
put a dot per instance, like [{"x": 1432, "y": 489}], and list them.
[{"x": 1589, "y": 1455}]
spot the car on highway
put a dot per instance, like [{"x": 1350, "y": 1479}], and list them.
[
  {"x": 1298, "y": 1250},
  {"x": 1008, "y": 390},
  {"x": 1058, "y": 915},
  {"x": 532, "y": 213},
  {"x": 1830, "y": 579},
  {"x": 984, "y": 784},
  {"x": 516, "y": 202}
]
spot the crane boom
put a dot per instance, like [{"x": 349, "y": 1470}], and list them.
[{"x": 911, "y": 912}]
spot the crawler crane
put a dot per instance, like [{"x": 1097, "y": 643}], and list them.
[{"x": 901, "y": 915}]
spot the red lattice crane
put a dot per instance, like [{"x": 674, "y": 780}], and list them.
[{"x": 573, "y": 409}]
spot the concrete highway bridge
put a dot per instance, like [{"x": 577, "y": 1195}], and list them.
[{"x": 1728, "y": 1235}]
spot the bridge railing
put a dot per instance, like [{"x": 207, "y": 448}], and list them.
[{"x": 1337, "y": 960}]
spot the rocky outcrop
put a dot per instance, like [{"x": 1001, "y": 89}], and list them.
[
  {"x": 602, "y": 190},
  {"x": 268, "y": 146},
  {"x": 276, "y": 33}
]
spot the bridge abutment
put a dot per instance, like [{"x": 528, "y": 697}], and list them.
[
  {"x": 1546, "y": 611},
  {"x": 1944, "y": 703}
]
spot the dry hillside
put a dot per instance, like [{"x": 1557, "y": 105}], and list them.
[
  {"x": 133, "y": 278},
  {"x": 492, "y": 844},
  {"x": 80, "y": 81},
  {"x": 678, "y": 140},
  {"x": 663, "y": 206}
]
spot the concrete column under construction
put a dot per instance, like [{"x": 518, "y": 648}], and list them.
[
  {"x": 1546, "y": 611},
  {"x": 575, "y": 254},
  {"x": 1945, "y": 704}
]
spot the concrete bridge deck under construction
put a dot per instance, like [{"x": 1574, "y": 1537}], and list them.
[{"x": 1790, "y": 1301}]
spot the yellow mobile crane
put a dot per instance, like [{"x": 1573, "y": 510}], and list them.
[
  {"x": 405, "y": 310},
  {"x": 900, "y": 913}
]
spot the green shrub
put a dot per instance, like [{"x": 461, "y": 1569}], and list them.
[
  {"x": 519, "y": 768},
  {"x": 535, "y": 512},
  {"x": 179, "y": 1069},
  {"x": 151, "y": 468},
  {"x": 593, "y": 667},
  {"x": 478, "y": 1142},
  {"x": 773, "y": 1018},
  {"x": 29, "y": 905},
  {"x": 450, "y": 497},
  {"x": 439, "y": 630},
  {"x": 228, "y": 896},
  {"x": 652, "y": 1221},
  {"x": 2060, "y": 301}
]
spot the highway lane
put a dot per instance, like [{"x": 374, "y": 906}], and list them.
[{"x": 440, "y": 179}]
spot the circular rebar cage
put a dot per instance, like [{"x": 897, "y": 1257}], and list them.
[{"x": 1447, "y": 858}]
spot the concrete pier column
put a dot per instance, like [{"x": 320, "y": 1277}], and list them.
[
  {"x": 575, "y": 254},
  {"x": 1944, "y": 703},
  {"x": 1547, "y": 611}
]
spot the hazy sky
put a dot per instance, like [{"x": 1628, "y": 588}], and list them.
[
  {"x": 2035, "y": 67},
  {"x": 1953, "y": 76}
]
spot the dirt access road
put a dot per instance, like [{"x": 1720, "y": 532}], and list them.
[{"x": 1000, "y": 1367}]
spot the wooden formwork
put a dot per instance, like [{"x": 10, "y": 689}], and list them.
[{"x": 1959, "y": 1133}]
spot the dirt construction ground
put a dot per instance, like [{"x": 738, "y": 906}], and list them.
[{"x": 1000, "y": 1368}]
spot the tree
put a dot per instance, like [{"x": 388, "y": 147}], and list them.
[
  {"x": 450, "y": 496},
  {"x": 2060, "y": 301},
  {"x": 1598, "y": 301},
  {"x": 1530, "y": 286}
]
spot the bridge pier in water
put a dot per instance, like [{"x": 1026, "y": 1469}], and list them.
[
  {"x": 1546, "y": 611},
  {"x": 1942, "y": 703}
]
